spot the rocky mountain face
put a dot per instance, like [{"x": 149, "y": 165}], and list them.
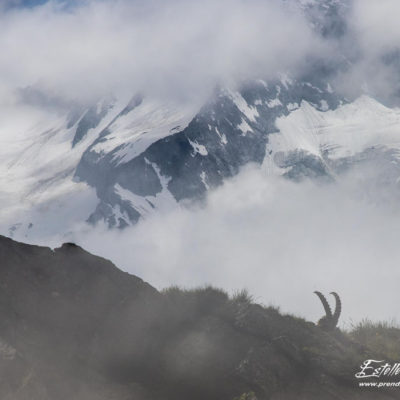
[
  {"x": 123, "y": 158},
  {"x": 230, "y": 131},
  {"x": 73, "y": 326}
]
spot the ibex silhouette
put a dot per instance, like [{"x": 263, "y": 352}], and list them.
[{"x": 329, "y": 321}]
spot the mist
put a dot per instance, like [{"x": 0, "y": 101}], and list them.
[
  {"x": 371, "y": 48},
  {"x": 83, "y": 51},
  {"x": 278, "y": 239},
  {"x": 176, "y": 49}
]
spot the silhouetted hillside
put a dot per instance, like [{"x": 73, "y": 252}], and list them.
[{"x": 73, "y": 326}]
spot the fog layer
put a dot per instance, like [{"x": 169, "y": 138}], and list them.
[{"x": 280, "y": 240}]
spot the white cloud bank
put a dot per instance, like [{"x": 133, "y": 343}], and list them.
[
  {"x": 183, "y": 48},
  {"x": 171, "y": 47},
  {"x": 278, "y": 239}
]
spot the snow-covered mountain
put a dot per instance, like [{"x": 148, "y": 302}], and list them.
[
  {"x": 140, "y": 161},
  {"x": 124, "y": 157}
]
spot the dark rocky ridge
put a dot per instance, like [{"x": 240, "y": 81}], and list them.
[{"x": 73, "y": 326}]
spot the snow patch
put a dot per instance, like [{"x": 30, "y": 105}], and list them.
[
  {"x": 286, "y": 80},
  {"x": 244, "y": 127},
  {"x": 223, "y": 138},
  {"x": 250, "y": 112},
  {"x": 348, "y": 130},
  {"x": 273, "y": 103},
  {"x": 324, "y": 105},
  {"x": 203, "y": 177},
  {"x": 198, "y": 148},
  {"x": 292, "y": 106},
  {"x": 135, "y": 131},
  {"x": 313, "y": 87},
  {"x": 146, "y": 205}
]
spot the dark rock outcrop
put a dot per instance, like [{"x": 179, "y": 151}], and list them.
[{"x": 73, "y": 326}]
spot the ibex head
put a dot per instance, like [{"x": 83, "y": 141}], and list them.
[{"x": 329, "y": 321}]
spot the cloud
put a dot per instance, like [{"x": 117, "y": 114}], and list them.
[
  {"x": 280, "y": 240},
  {"x": 377, "y": 25},
  {"x": 180, "y": 47},
  {"x": 372, "y": 49}
]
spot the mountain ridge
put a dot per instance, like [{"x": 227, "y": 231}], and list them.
[{"x": 74, "y": 326}]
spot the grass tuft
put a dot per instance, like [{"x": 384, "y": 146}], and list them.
[{"x": 381, "y": 337}]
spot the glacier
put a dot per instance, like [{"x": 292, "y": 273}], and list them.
[{"x": 139, "y": 156}]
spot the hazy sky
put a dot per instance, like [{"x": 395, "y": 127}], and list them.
[{"x": 22, "y": 3}]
